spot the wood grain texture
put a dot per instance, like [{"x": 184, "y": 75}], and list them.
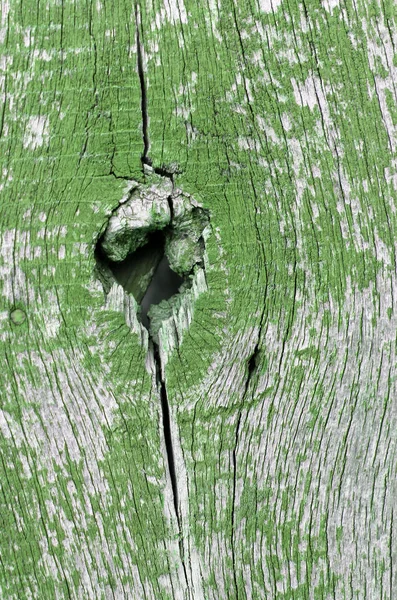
[{"x": 279, "y": 118}]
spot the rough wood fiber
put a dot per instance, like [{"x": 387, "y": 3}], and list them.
[{"x": 280, "y": 118}]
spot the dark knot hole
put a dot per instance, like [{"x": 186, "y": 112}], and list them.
[{"x": 145, "y": 273}]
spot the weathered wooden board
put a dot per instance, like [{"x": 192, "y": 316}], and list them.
[{"x": 278, "y": 367}]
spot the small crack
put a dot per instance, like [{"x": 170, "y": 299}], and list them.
[
  {"x": 168, "y": 172},
  {"x": 251, "y": 366},
  {"x": 171, "y": 207},
  {"x": 113, "y": 174}
]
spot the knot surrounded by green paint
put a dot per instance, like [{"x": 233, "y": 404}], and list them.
[
  {"x": 17, "y": 316},
  {"x": 154, "y": 246}
]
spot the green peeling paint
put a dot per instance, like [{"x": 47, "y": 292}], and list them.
[{"x": 274, "y": 123}]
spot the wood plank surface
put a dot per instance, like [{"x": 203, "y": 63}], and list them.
[{"x": 245, "y": 446}]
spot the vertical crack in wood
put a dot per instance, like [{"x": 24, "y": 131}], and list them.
[
  {"x": 234, "y": 503},
  {"x": 170, "y": 203},
  {"x": 145, "y": 120},
  {"x": 165, "y": 409},
  {"x": 156, "y": 353},
  {"x": 166, "y": 427}
]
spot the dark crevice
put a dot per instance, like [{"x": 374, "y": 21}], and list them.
[
  {"x": 129, "y": 272},
  {"x": 234, "y": 459},
  {"x": 251, "y": 366},
  {"x": 166, "y": 172},
  {"x": 113, "y": 173},
  {"x": 145, "y": 273},
  {"x": 164, "y": 284},
  {"x": 136, "y": 264},
  {"x": 145, "y": 121},
  {"x": 163, "y": 170},
  {"x": 171, "y": 207},
  {"x": 165, "y": 410},
  {"x": 166, "y": 427}
]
